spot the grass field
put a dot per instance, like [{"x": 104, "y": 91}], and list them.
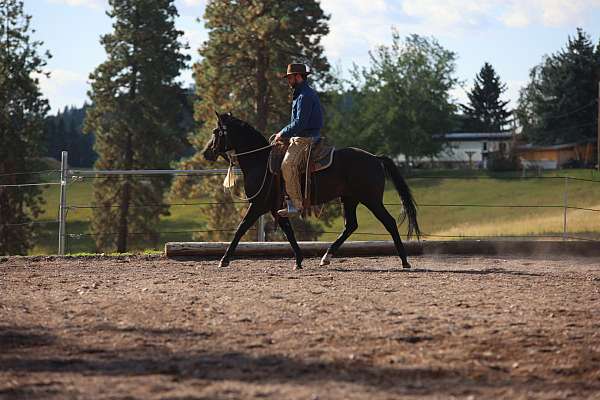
[
  {"x": 452, "y": 204},
  {"x": 80, "y": 195}
]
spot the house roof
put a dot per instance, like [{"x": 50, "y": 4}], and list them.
[
  {"x": 475, "y": 136},
  {"x": 530, "y": 146}
]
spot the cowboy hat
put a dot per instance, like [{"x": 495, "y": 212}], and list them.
[{"x": 296, "y": 69}]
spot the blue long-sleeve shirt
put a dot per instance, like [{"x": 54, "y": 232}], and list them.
[{"x": 307, "y": 116}]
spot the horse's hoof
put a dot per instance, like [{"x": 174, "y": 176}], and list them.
[
  {"x": 223, "y": 264},
  {"x": 297, "y": 267},
  {"x": 326, "y": 260},
  {"x": 406, "y": 265}
]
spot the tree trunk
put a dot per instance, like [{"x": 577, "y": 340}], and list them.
[
  {"x": 4, "y": 216},
  {"x": 126, "y": 194},
  {"x": 262, "y": 90}
]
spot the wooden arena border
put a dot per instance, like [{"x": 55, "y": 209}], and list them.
[{"x": 385, "y": 248}]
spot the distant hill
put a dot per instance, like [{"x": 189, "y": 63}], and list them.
[{"x": 64, "y": 132}]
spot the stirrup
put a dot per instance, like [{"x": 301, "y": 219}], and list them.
[{"x": 289, "y": 211}]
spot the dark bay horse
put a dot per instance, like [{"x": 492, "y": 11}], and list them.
[{"x": 355, "y": 176}]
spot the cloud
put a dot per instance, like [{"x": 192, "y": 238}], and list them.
[
  {"x": 516, "y": 18},
  {"x": 513, "y": 89},
  {"x": 459, "y": 95},
  {"x": 459, "y": 16},
  {"x": 357, "y": 25},
  {"x": 193, "y": 32},
  {"x": 194, "y": 35},
  {"x": 103, "y": 4},
  {"x": 549, "y": 13},
  {"x": 194, "y": 38},
  {"x": 441, "y": 15},
  {"x": 64, "y": 88},
  {"x": 192, "y": 3},
  {"x": 93, "y": 4},
  {"x": 191, "y": 7}
]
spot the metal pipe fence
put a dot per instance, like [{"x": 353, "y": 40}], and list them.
[{"x": 69, "y": 176}]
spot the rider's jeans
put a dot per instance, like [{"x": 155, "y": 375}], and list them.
[{"x": 291, "y": 166}]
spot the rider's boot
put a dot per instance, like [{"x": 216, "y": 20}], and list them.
[{"x": 290, "y": 211}]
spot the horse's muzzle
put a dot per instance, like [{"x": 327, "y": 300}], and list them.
[{"x": 210, "y": 155}]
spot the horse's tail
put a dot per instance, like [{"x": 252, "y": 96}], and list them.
[{"x": 409, "y": 205}]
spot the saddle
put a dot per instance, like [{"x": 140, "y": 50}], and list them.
[{"x": 321, "y": 157}]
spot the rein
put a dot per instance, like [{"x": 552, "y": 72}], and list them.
[
  {"x": 227, "y": 182},
  {"x": 252, "y": 151}
]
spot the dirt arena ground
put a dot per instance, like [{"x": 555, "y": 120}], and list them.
[{"x": 152, "y": 328}]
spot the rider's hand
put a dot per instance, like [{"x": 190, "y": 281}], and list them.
[{"x": 278, "y": 137}]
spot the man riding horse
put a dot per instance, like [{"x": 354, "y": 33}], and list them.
[
  {"x": 303, "y": 130},
  {"x": 354, "y": 176}
]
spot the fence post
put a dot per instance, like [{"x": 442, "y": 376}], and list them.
[
  {"x": 565, "y": 206},
  {"x": 260, "y": 227},
  {"x": 62, "y": 212}
]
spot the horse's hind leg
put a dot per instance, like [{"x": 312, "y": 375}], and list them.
[
  {"x": 286, "y": 227},
  {"x": 389, "y": 222},
  {"x": 350, "y": 225}
]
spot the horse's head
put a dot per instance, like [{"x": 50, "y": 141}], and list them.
[
  {"x": 231, "y": 133},
  {"x": 219, "y": 142}
]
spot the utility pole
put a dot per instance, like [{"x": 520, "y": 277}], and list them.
[{"x": 598, "y": 127}]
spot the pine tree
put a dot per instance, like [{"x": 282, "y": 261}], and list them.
[
  {"x": 559, "y": 103},
  {"x": 22, "y": 113},
  {"x": 486, "y": 112},
  {"x": 134, "y": 115},
  {"x": 249, "y": 45}
]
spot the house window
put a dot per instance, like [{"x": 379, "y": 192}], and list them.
[
  {"x": 502, "y": 147},
  {"x": 484, "y": 146}
]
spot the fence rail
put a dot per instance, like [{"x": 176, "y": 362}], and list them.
[
  {"x": 67, "y": 176},
  {"x": 143, "y": 172}
]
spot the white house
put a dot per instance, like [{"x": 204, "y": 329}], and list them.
[{"x": 467, "y": 149}]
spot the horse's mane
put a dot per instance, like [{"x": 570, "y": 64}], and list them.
[{"x": 246, "y": 127}]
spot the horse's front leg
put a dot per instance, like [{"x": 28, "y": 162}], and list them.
[
  {"x": 252, "y": 214},
  {"x": 286, "y": 226}
]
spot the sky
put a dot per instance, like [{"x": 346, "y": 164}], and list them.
[{"x": 512, "y": 35}]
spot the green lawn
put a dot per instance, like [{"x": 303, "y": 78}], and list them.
[
  {"x": 447, "y": 222},
  {"x": 434, "y": 191},
  {"x": 80, "y": 196}
]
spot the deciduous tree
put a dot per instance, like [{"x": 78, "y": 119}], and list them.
[{"x": 398, "y": 103}]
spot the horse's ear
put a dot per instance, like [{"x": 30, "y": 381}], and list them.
[{"x": 218, "y": 115}]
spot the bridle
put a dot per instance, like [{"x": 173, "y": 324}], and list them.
[{"x": 221, "y": 132}]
